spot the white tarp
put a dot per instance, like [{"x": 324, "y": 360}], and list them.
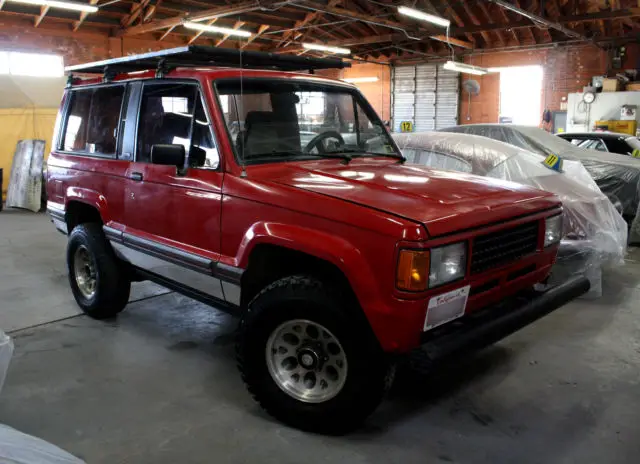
[{"x": 595, "y": 234}]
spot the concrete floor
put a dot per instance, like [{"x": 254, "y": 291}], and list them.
[{"x": 159, "y": 385}]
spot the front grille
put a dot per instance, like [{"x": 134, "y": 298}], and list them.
[{"x": 504, "y": 246}]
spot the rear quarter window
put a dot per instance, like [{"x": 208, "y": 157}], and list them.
[{"x": 92, "y": 120}]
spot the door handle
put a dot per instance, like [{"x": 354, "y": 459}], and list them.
[{"x": 137, "y": 176}]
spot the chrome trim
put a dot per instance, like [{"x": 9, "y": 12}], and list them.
[
  {"x": 197, "y": 280},
  {"x": 168, "y": 253},
  {"x": 228, "y": 273},
  {"x": 232, "y": 292},
  {"x": 58, "y": 218},
  {"x": 60, "y": 225},
  {"x": 112, "y": 234}
]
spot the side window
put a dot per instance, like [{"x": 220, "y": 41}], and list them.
[
  {"x": 166, "y": 115},
  {"x": 203, "y": 139},
  {"x": 92, "y": 120}
]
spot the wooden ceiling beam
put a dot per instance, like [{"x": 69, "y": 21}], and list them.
[
  {"x": 224, "y": 38},
  {"x": 83, "y": 16},
  {"x": 604, "y": 15},
  {"x": 43, "y": 12},
  {"x": 261, "y": 30},
  {"x": 342, "y": 12},
  {"x": 166, "y": 33},
  {"x": 474, "y": 19},
  {"x": 450, "y": 12},
  {"x": 217, "y": 12},
  {"x": 198, "y": 34},
  {"x": 532, "y": 38},
  {"x": 136, "y": 11}
]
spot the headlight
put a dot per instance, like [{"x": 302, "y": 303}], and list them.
[
  {"x": 552, "y": 230},
  {"x": 448, "y": 263}
]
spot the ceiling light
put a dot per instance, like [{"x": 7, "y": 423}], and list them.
[
  {"x": 326, "y": 48},
  {"x": 360, "y": 80},
  {"x": 464, "y": 68},
  {"x": 58, "y": 4},
  {"x": 417, "y": 14},
  {"x": 216, "y": 29}
]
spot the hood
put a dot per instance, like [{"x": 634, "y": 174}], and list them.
[{"x": 444, "y": 201}]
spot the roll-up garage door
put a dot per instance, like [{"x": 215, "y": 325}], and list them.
[{"x": 425, "y": 95}]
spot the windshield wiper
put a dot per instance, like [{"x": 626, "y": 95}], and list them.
[
  {"x": 400, "y": 158},
  {"x": 300, "y": 154}
]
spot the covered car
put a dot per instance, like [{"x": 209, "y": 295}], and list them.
[
  {"x": 595, "y": 234},
  {"x": 617, "y": 176},
  {"x": 623, "y": 144}
]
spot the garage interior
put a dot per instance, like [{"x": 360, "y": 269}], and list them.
[{"x": 160, "y": 383}]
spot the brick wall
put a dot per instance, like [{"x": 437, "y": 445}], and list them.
[{"x": 565, "y": 70}]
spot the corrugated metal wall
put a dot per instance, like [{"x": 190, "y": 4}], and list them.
[{"x": 426, "y": 95}]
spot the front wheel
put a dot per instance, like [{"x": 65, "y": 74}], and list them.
[{"x": 305, "y": 361}]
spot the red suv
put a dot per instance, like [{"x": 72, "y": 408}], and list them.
[{"x": 282, "y": 198}]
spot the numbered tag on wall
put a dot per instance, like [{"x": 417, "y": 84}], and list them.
[
  {"x": 406, "y": 126},
  {"x": 553, "y": 162}
]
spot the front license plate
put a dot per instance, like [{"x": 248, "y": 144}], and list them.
[{"x": 446, "y": 307}]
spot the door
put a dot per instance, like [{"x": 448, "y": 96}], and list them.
[
  {"x": 425, "y": 98},
  {"x": 172, "y": 213}
]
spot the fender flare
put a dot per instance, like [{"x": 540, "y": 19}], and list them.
[
  {"x": 89, "y": 197},
  {"x": 322, "y": 245}
]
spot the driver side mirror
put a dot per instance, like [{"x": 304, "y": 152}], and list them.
[{"x": 168, "y": 155}]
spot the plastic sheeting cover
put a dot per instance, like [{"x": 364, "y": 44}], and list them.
[
  {"x": 19, "y": 448},
  {"x": 618, "y": 176},
  {"x": 595, "y": 234},
  {"x": 6, "y": 351}
]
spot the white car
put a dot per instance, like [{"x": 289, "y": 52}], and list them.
[
  {"x": 617, "y": 176},
  {"x": 595, "y": 234}
]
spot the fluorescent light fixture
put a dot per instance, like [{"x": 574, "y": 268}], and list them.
[
  {"x": 464, "y": 68},
  {"x": 417, "y": 14},
  {"x": 62, "y": 5},
  {"x": 495, "y": 70},
  {"x": 360, "y": 80},
  {"x": 327, "y": 48},
  {"x": 216, "y": 29}
]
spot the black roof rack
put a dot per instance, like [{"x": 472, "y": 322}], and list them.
[{"x": 200, "y": 56}]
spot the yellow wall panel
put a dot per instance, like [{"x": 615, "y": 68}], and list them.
[{"x": 19, "y": 124}]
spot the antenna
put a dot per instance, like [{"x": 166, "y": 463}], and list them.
[{"x": 243, "y": 131}]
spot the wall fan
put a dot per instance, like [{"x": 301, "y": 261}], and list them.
[{"x": 472, "y": 87}]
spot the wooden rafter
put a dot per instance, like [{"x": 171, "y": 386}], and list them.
[
  {"x": 450, "y": 12},
  {"x": 199, "y": 33},
  {"x": 43, "y": 12},
  {"x": 535, "y": 5},
  {"x": 528, "y": 31},
  {"x": 261, "y": 30},
  {"x": 166, "y": 33},
  {"x": 345, "y": 13},
  {"x": 83, "y": 16},
  {"x": 224, "y": 38},
  {"x": 485, "y": 12},
  {"x": 217, "y": 12},
  {"x": 474, "y": 19},
  {"x": 136, "y": 10}
]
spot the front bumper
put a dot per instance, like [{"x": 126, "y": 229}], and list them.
[{"x": 484, "y": 327}]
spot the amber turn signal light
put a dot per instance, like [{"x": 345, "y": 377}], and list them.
[{"x": 413, "y": 270}]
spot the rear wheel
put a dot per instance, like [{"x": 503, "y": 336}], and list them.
[
  {"x": 98, "y": 281},
  {"x": 305, "y": 361}
]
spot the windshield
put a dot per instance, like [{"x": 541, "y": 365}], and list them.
[{"x": 276, "y": 120}]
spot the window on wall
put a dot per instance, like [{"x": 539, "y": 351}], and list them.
[{"x": 31, "y": 64}]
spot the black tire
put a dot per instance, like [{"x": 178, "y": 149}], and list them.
[
  {"x": 301, "y": 297},
  {"x": 112, "y": 284}
]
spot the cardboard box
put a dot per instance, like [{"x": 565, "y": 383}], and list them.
[
  {"x": 633, "y": 86},
  {"x": 611, "y": 85}
]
